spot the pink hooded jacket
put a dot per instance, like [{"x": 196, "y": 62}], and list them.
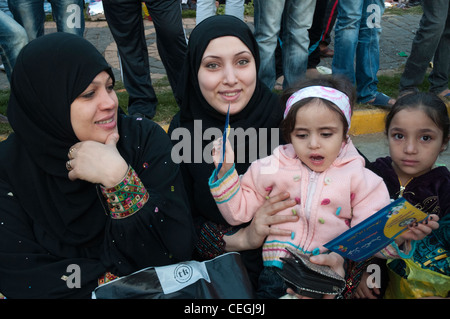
[{"x": 328, "y": 203}]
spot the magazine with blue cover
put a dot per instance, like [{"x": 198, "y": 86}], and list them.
[{"x": 376, "y": 232}]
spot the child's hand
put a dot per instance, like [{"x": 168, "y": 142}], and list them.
[
  {"x": 418, "y": 231},
  {"x": 363, "y": 291},
  {"x": 217, "y": 156}
]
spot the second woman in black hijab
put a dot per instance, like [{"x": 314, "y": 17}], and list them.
[
  {"x": 221, "y": 70},
  {"x": 82, "y": 186}
]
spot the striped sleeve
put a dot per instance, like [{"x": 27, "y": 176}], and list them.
[{"x": 225, "y": 188}]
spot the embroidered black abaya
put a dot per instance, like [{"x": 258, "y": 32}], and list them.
[{"x": 48, "y": 222}]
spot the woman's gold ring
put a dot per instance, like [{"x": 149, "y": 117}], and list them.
[
  {"x": 70, "y": 156},
  {"x": 68, "y": 165}
]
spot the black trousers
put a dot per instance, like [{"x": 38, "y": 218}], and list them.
[
  {"x": 323, "y": 21},
  {"x": 124, "y": 19}
]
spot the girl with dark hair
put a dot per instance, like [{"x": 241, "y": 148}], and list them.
[
  {"x": 321, "y": 169},
  {"x": 417, "y": 129}
]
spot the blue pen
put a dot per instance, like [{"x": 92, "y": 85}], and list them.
[{"x": 224, "y": 141}]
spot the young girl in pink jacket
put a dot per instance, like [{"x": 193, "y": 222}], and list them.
[{"x": 319, "y": 167}]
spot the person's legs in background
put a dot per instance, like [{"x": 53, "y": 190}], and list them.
[
  {"x": 431, "y": 40},
  {"x": 12, "y": 39},
  {"x": 30, "y": 14},
  {"x": 357, "y": 32},
  {"x": 205, "y": 9},
  {"x": 124, "y": 21},
  {"x": 297, "y": 20},
  {"x": 170, "y": 36},
  {"x": 124, "y": 18},
  {"x": 328, "y": 25},
  {"x": 346, "y": 38},
  {"x": 69, "y": 16},
  {"x": 235, "y": 8},
  {"x": 441, "y": 66},
  {"x": 267, "y": 19},
  {"x": 315, "y": 36},
  {"x": 368, "y": 51}
]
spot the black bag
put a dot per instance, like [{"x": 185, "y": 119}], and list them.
[
  {"x": 223, "y": 277},
  {"x": 308, "y": 279}
]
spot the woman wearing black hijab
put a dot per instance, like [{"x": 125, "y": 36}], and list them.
[
  {"x": 252, "y": 106},
  {"x": 82, "y": 188}
]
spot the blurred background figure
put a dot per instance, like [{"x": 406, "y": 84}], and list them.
[{"x": 68, "y": 15}]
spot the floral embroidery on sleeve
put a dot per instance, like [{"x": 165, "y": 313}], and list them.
[{"x": 127, "y": 197}]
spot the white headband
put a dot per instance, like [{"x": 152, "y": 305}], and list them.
[{"x": 327, "y": 93}]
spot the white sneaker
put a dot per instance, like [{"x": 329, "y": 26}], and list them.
[
  {"x": 324, "y": 70},
  {"x": 2, "y": 67}
]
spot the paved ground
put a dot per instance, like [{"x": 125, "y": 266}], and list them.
[{"x": 398, "y": 32}]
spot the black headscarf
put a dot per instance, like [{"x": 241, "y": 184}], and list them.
[
  {"x": 262, "y": 109},
  {"x": 39, "y": 113}
]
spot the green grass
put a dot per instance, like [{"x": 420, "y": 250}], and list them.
[
  {"x": 388, "y": 84},
  {"x": 167, "y": 107},
  {"x": 4, "y": 98},
  {"x": 400, "y": 11}
]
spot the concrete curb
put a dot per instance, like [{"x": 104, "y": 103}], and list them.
[{"x": 367, "y": 121}]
